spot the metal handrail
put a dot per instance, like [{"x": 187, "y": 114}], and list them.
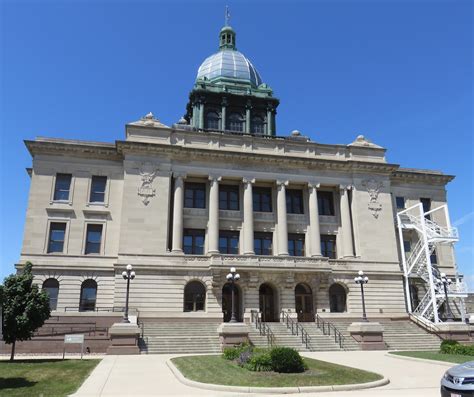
[
  {"x": 262, "y": 327},
  {"x": 296, "y": 329},
  {"x": 326, "y": 327}
]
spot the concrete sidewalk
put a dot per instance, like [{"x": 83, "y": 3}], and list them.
[{"x": 148, "y": 375}]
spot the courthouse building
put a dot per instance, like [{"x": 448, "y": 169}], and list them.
[{"x": 222, "y": 188}]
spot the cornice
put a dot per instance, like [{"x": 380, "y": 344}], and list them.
[
  {"x": 74, "y": 148},
  {"x": 125, "y": 147},
  {"x": 408, "y": 175}
]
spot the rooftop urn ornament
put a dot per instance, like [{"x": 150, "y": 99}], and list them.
[
  {"x": 361, "y": 279},
  {"x": 233, "y": 277},
  {"x": 128, "y": 274},
  {"x": 446, "y": 282}
]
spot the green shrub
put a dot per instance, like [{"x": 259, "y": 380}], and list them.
[
  {"x": 286, "y": 360},
  {"x": 447, "y": 345},
  {"x": 260, "y": 362},
  {"x": 232, "y": 353}
]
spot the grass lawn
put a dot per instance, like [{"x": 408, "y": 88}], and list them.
[
  {"x": 47, "y": 378},
  {"x": 217, "y": 370},
  {"x": 450, "y": 358}
]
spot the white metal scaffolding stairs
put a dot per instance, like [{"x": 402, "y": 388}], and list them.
[{"x": 417, "y": 263}]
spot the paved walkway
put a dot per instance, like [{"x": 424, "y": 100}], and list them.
[{"x": 148, "y": 375}]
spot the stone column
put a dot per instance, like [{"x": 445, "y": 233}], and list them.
[
  {"x": 223, "y": 114},
  {"x": 213, "y": 225},
  {"x": 269, "y": 121},
  {"x": 281, "y": 218},
  {"x": 347, "y": 250},
  {"x": 248, "y": 216},
  {"x": 201, "y": 113},
  {"x": 247, "y": 117},
  {"x": 315, "y": 234},
  {"x": 178, "y": 204}
]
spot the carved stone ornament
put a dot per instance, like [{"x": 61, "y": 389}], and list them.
[
  {"x": 145, "y": 190},
  {"x": 373, "y": 189}
]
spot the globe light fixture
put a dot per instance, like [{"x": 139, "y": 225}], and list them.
[
  {"x": 362, "y": 279},
  {"x": 128, "y": 275},
  {"x": 233, "y": 277},
  {"x": 446, "y": 282}
]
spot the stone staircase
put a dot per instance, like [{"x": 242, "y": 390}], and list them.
[
  {"x": 399, "y": 334},
  {"x": 321, "y": 342},
  {"x": 166, "y": 337},
  {"x": 283, "y": 337}
]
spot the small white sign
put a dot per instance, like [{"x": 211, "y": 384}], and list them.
[{"x": 74, "y": 338}]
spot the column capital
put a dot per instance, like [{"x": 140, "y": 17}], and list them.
[
  {"x": 224, "y": 101},
  {"x": 345, "y": 187},
  {"x": 179, "y": 174},
  {"x": 247, "y": 180},
  {"x": 281, "y": 182},
  {"x": 215, "y": 178},
  {"x": 314, "y": 185}
]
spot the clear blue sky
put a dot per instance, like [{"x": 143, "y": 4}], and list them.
[{"x": 399, "y": 72}]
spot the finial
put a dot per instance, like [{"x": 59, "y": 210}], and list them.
[{"x": 227, "y": 15}]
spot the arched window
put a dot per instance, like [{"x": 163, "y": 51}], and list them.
[
  {"x": 88, "y": 296},
  {"x": 337, "y": 298},
  {"x": 236, "y": 122},
  {"x": 194, "y": 297},
  {"x": 258, "y": 125},
  {"x": 212, "y": 121},
  {"x": 51, "y": 286}
]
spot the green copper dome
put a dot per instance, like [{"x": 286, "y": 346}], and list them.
[{"x": 228, "y": 63}]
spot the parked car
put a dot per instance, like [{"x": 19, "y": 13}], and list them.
[{"x": 458, "y": 381}]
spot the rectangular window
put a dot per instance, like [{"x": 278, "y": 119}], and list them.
[
  {"x": 400, "y": 201},
  {"x": 296, "y": 244},
  {"x": 434, "y": 258},
  {"x": 426, "y": 203},
  {"x": 229, "y": 197},
  {"x": 93, "y": 239},
  {"x": 326, "y": 203},
  {"x": 193, "y": 241},
  {"x": 294, "y": 201},
  {"x": 229, "y": 242},
  {"x": 195, "y": 195},
  {"x": 57, "y": 232},
  {"x": 407, "y": 245},
  {"x": 328, "y": 246},
  {"x": 263, "y": 243},
  {"x": 98, "y": 185},
  {"x": 262, "y": 199},
  {"x": 62, "y": 187}
]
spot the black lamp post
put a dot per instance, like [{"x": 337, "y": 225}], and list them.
[
  {"x": 233, "y": 277},
  {"x": 446, "y": 282},
  {"x": 128, "y": 275},
  {"x": 361, "y": 279}
]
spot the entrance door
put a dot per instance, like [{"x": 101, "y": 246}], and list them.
[
  {"x": 227, "y": 303},
  {"x": 267, "y": 303},
  {"x": 304, "y": 303}
]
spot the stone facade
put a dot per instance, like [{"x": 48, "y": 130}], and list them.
[
  {"x": 96, "y": 207},
  {"x": 144, "y": 216}
]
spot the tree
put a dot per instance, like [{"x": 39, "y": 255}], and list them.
[{"x": 25, "y": 307}]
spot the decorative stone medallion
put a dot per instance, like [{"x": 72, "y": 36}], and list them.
[
  {"x": 146, "y": 190},
  {"x": 373, "y": 189}
]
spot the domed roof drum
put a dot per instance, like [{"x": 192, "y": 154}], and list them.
[{"x": 231, "y": 64}]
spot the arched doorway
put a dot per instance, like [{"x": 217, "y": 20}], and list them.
[
  {"x": 227, "y": 302},
  {"x": 415, "y": 301},
  {"x": 268, "y": 305},
  {"x": 337, "y": 298},
  {"x": 304, "y": 303},
  {"x": 194, "y": 297}
]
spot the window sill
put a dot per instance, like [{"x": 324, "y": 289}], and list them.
[
  {"x": 60, "y": 202},
  {"x": 97, "y": 204}
]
